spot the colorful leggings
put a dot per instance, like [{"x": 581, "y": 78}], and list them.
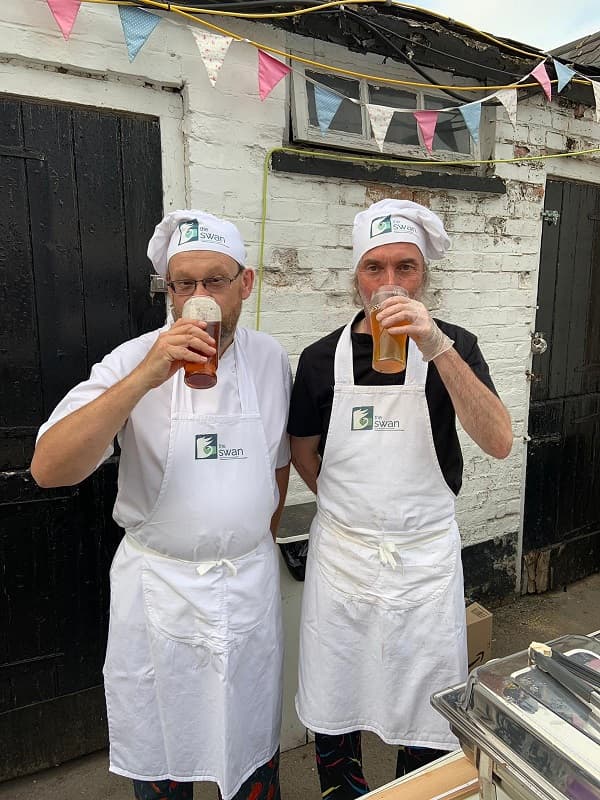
[
  {"x": 339, "y": 763},
  {"x": 263, "y": 784}
]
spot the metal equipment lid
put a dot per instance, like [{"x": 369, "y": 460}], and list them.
[{"x": 542, "y": 734}]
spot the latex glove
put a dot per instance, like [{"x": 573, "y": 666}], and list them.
[{"x": 405, "y": 315}]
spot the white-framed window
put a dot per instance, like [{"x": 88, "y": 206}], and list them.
[{"x": 350, "y": 128}]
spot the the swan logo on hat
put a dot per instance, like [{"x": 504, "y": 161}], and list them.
[
  {"x": 191, "y": 231},
  {"x": 188, "y": 231},
  {"x": 381, "y": 225},
  {"x": 391, "y": 224}
]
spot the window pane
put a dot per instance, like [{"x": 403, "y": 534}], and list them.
[
  {"x": 348, "y": 117},
  {"x": 403, "y": 127},
  {"x": 451, "y": 133}
]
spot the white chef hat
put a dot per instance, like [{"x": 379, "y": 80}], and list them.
[
  {"x": 390, "y": 221},
  {"x": 189, "y": 229}
]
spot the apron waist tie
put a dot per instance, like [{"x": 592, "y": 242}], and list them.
[
  {"x": 202, "y": 567},
  {"x": 206, "y": 566},
  {"x": 389, "y": 554}
]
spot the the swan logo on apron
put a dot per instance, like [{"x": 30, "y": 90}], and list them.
[
  {"x": 364, "y": 418},
  {"x": 207, "y": 447}
]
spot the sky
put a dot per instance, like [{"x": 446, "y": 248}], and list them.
[{"x": 545, "y": 24}]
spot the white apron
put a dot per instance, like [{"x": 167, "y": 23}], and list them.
[
  {"x": 193, "y": 669},
  {"x": 383, "y": 618}
]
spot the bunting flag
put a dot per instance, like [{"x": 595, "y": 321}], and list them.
[
  {"x": 508, "y": 98},
  {"x": 541, "y": 76},
  {"x": 471, "y": 113},
  {"x": 563, "y": 73},
  {"x": 270, "y": 72},
  {"x": 327, "y": 104},
  {"x": 427, "y": 120},
  {"x": 380, "y": 117},
  {"x": 596, "y": 88},
  {"x": 137, "y": 27},
  {"x": 213, "y": 48},
  {"x": 65, "y": 13}
]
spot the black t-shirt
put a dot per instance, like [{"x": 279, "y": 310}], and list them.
[{"x": 312, "y": 395}]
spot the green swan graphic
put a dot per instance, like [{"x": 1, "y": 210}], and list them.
[
  {"x": 205, "y": 447},
  {"x": 361, "y": 419}
]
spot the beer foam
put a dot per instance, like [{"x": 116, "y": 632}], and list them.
[{"x": 202, "y": 308}]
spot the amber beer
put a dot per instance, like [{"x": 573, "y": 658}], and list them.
[
  {"x": 203, "y": 376},
  {"x": 389, "y": 351}
]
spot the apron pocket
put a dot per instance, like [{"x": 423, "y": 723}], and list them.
[
  {"x": 347, "y": 564},
  {"x": 252, "y": 592},
  {"x": 423, "y": 572},
  {"x": 182, "y": 605}
]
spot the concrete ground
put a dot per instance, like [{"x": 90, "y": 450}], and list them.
[{"x": 576, "y": 609}]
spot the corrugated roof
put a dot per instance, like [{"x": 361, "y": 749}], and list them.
[{"x": 585, "y": 51}]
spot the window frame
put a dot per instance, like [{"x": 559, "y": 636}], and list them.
[{"x": 303, "y": 132}]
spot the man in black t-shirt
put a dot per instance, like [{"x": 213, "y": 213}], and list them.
[{"x": 382, "y": 454}]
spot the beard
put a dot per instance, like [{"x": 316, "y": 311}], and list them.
[{"x": 229, "y": 323}]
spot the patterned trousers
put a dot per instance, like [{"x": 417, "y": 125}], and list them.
[
  {"x": 263, "y": 784},
  {"x": 339, "y": 763}
]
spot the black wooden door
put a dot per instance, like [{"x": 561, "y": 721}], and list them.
[
  {"x": 561, "y": 538},
  {"x": 81, "y": 193}
]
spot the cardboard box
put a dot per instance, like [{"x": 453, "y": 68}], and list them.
[
  {"x": 451, "y": 777},
  {"x": 479, "y": 634}
]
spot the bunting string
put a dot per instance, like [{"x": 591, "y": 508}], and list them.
[
  {"x": 379, "y": 79},
  {"x": 213, "y": 45}
]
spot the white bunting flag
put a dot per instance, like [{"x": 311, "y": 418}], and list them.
[
  {"x": 508, "y": 98},
  {"x": 596, "y": 88},
  {"x": 213, "y": 48},
  {"x": 380, "y": 117}
]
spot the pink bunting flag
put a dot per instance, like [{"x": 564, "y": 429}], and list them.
[
  {"x": 427, "y": 120},
  {"x": 65, "y": 13},
  {"x": 541, "y": 76},
  {"x": 270, "y": 72}
]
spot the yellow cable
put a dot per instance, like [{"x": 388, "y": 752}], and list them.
[
  {"x": 371, "y": 160},
  {"x": 337, "y": 70},
  {"x": 243, "y": 14}
]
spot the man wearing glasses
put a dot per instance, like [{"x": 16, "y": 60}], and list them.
[{"x": 193, "y": 668}]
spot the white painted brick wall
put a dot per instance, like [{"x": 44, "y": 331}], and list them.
[{"x": 488, "y": 282}]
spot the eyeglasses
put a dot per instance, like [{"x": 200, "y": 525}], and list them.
[{"x": 219, "y": 283}]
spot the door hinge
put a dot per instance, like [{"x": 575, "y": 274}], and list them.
[
  {"x": 157, "y": 284},
  {"x": 551, "y": 217},
  {"x": 531, "y": 376},
  {"x": 538, "y": 344}
]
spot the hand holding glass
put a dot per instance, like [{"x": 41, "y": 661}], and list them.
[{"x": 389, "y": 351}]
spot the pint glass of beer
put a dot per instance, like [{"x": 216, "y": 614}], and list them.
[
  {"x": 203, "y": 376},
  {"x": 389, "y": 352}
]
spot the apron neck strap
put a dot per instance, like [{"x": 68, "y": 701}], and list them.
[
  {"x": 343, "y": 368},
  {"x": 246, "y": 388}
]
